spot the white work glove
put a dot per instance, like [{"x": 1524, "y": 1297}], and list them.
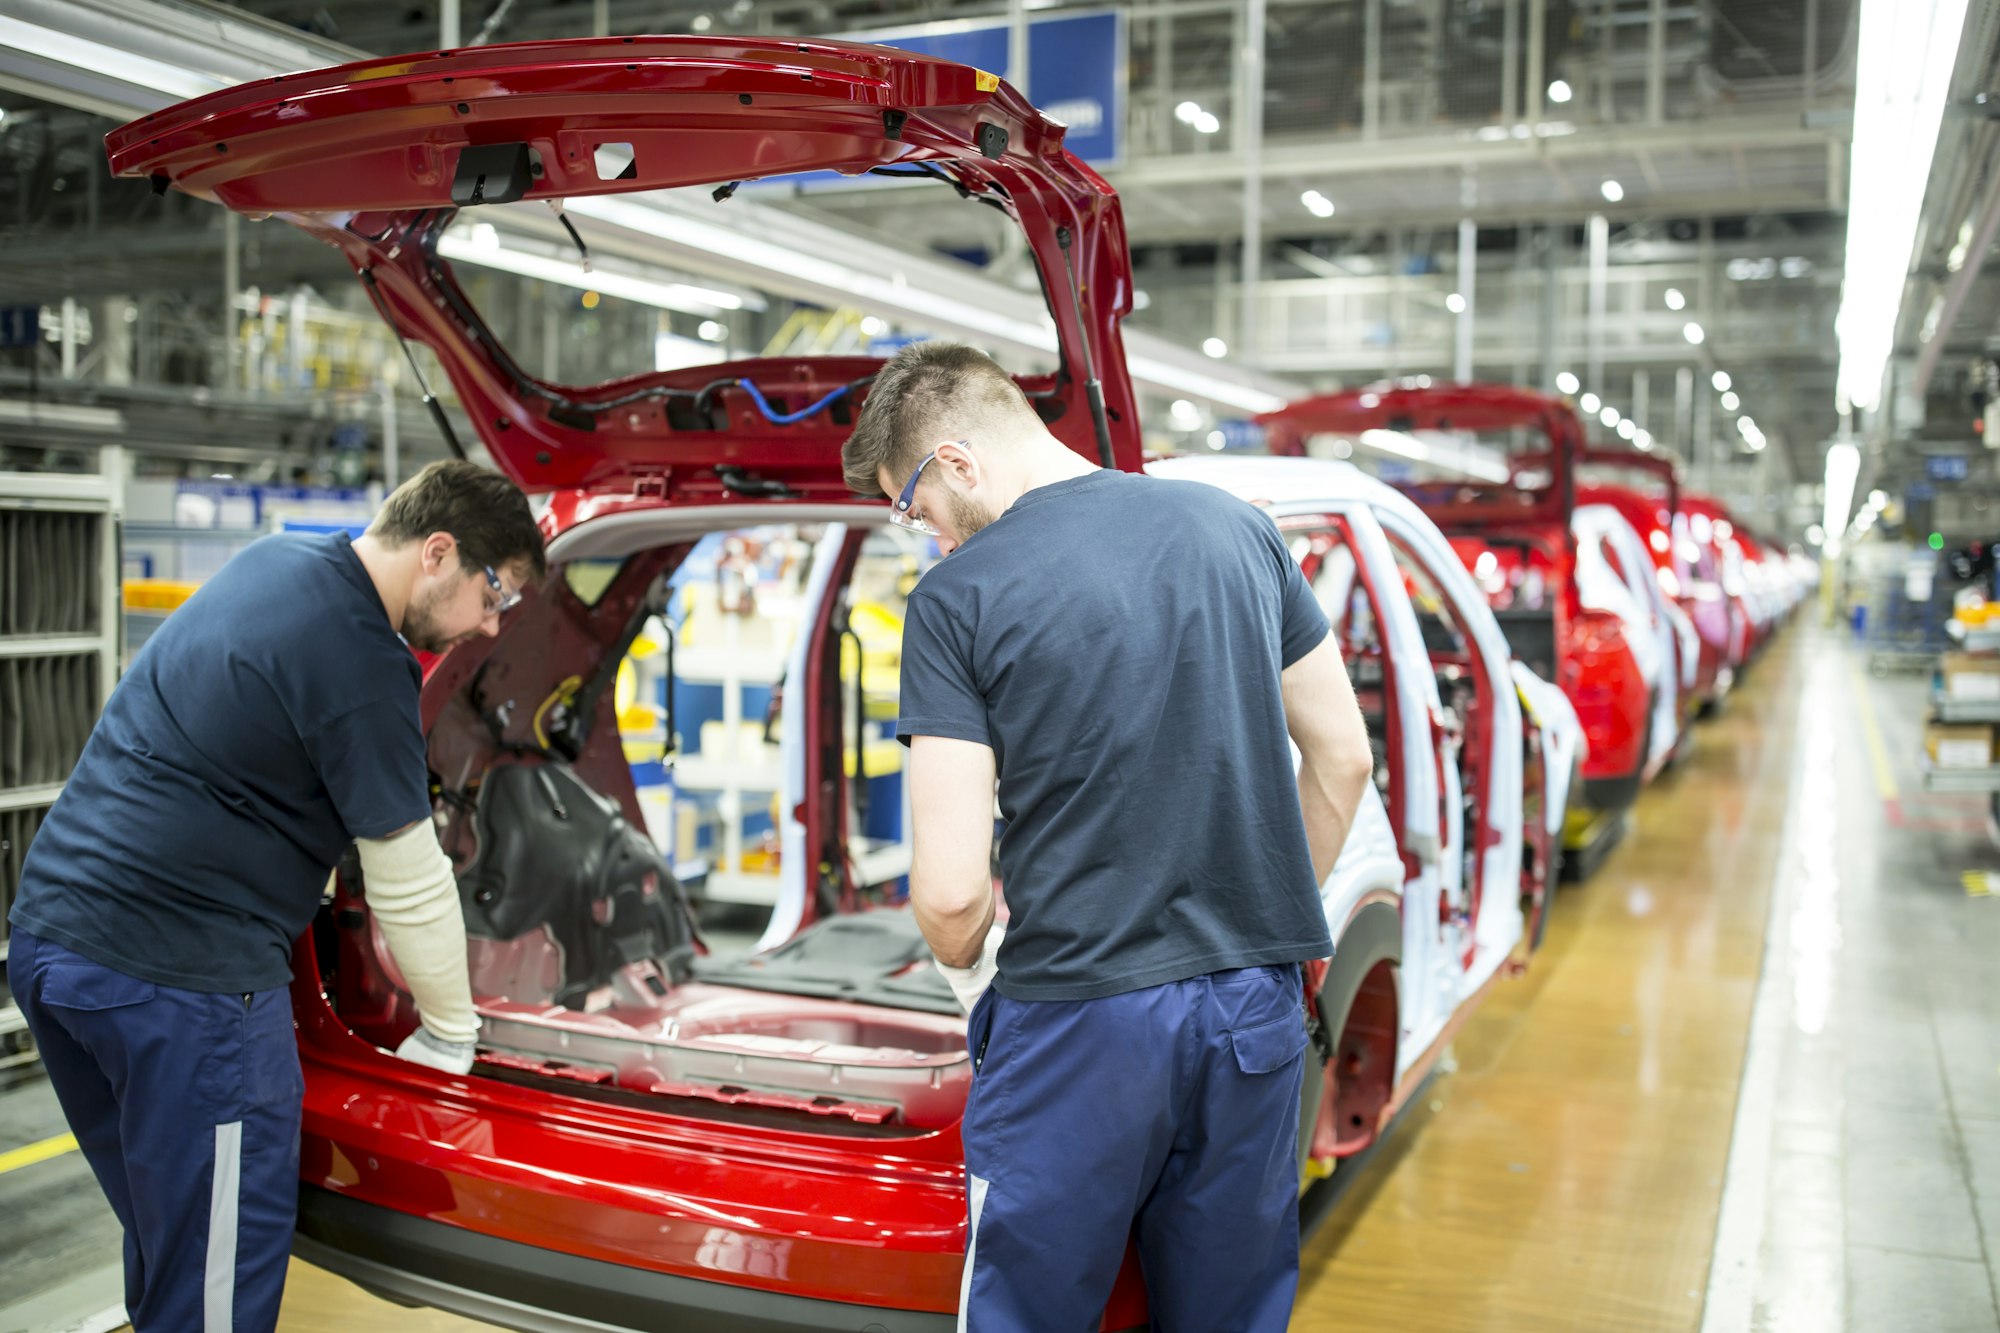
[
  {"x": 414, "y": 900},
  {"x": 424, "y": 1047},
  {"x": 969, "y": 983}
]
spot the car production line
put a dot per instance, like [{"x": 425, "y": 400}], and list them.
[{"x": 1568, "y": 1167}]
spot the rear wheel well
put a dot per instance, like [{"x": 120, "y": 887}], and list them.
[{"x": 1361, "y": 1015}]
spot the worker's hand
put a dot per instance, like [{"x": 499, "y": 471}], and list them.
[
  {"x": 969, "y": 983},
  {"x": 424, "y": 1047}
]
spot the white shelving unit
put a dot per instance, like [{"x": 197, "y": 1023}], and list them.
[{"x": 61, "y": 640}]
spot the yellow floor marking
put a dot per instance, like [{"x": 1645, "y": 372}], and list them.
[
  {"x": 1871, "y": 731},
  {"x": 37, "y": 1152},
  {"x": 1981, "y": 883}
]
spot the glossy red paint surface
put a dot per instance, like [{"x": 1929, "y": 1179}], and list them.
[{"x": 1522, "y": 527}]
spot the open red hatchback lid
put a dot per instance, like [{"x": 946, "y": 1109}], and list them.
[
  {"x": 1454, "y": 505},
  {"x": 378, "y": 157}
]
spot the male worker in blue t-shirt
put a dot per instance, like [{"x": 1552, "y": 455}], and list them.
[
  {"x": 271, "y": 722},
  {"x": 1126, "y": 655}
]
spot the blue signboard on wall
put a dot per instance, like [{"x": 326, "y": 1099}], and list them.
[
  {"x": 1947, "y": 467},
  {"x": 1076, "y": 69},
  {"x": 20, "y": 325}
]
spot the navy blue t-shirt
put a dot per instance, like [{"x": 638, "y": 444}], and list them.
[
  {"x": 269, "y": 723},
  {"x": 1118, "y": 641}
]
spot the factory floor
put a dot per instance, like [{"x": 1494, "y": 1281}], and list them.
[{"x": 1752, "y": 1082}]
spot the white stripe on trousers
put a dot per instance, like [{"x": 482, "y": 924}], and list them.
[
  {"x": 218, "y": 1288},
  {"x": 971, "y": 1249}
]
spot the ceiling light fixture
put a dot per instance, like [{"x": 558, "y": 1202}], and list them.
[
  {"x": 1843, "y": 462},
  {"x": 1693, "y": 333},
  {"x": 1906, "y": 52},
  {"x": 1720, "y": 379},
  {"x": 1590, "y": 402},
  {"x": 1455, "y": 303},
  {"x": 1317, "y": 204},
  {"x": 1215, "y": 347},
  {"x": 1567, "y": 383},
  {"x": 1612, "y": 191},
  {"x": 1730, "y": 402},
  {"x": 1559, "y": 92},
  {"x": 1675, "y": 300}
]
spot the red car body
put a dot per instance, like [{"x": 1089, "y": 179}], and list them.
[
  {"x": 552, "y": 1184},
  {"x": 1517, "y": 539},
  {"x": 1711, "y": 531},
  {"x": 1686, "y": 580}
]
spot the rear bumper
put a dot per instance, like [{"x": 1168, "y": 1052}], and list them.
[{"x": 416, "y": 1261}]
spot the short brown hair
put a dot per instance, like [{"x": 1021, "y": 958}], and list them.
[
  {"x": 929, "y": 391},
  {"x": 486, "y": 513}
]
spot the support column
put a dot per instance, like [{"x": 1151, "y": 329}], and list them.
[
  {"x": 1468, "y": 277},
  {"x": 1600, "y": 260},
  {"x": 1510, "y": 61},
  {"x": 392, "y": 450},
  {"x": 1642, "y": 399},
  {"x": 1017, "y": 45},
  {"x": 600, "y": 21},
  {"x": 1545, "y": 328},
  {"x": 1251, "y": 116},
  {"x": 448, "y": 24},
  {"x": 1656, "y": 63},
  {"x": 1371, "y": 70},
  {"x": 1701, "y": 453},
  {"x": 1683, "y": 411},
  {"x": 1538, "y": 36},
  {"x": 69, "y": 338},
  {"x": 232, "y": 281}
]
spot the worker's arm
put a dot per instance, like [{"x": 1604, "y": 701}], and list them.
[
  {"x": 951, "y": 871},
  {"x": 413, "y": 896},
  {"x": 1335, "y": 764}
]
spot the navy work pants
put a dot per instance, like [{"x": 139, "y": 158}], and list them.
[
  {"x": 187, "y": 1106},
  {"x": 1175, "y": 1108}
]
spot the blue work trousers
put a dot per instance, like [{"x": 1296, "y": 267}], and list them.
[
  {"x": 187, "y": 1106},
  {"x": 1173, "y": 1110}
]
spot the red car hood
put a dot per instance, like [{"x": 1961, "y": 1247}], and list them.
[{"x": 376, "y": 157}]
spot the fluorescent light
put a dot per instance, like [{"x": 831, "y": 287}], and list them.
[
  {"x": 1906, "y": 50},
  {"x": 1612, "y": 191},
  {"x": 1843, "y": 462},
  {"x": 1187, "y": 112},
  {"x": 1441, "y": 452},
  {"x": 1185, "y": 414},
  {"x": 1455, "y": 303},
  {"x": 1676, "y": 301},
  {"x": 1815, "y": 534},
  {"x": 874, "y": 327},
  {"x": 1207, "y": 123},
  {"x": 1730, "y": 402},
  {"x": 1720, "y": 379},
  {"x": 1216, "y": 439},
  {"x": 1317, "y": 204},
  {"x": 713, "y": 331},
  {"x": 1692, "y": 332},
  {"x": 1627, "y": 429},
  {"x": 665, "y": 295},
  {"x": 106, "y": 61},
  {"x": 1609, "y": 416},
  {"x": 1567, "y": 383},
  {"x": 1644, "y": 440},
  {"x": 1878, "y": 499},
  {"x": 1590, "y": 402},
  {"x": 1215, "y": 347},
  {"x": 1559, "y": 92}
]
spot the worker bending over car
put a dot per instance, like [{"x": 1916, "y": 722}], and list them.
[
  {"x": 269, "y": 724},
  {"x": 1128, "y": 656}
]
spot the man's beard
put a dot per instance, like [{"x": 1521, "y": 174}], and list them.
[
  {"x": 966, "y": 516},
  {"x": 420, "y": 626}
]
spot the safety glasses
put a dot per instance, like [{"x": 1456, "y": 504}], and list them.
[{"x": 899, "y": 512}]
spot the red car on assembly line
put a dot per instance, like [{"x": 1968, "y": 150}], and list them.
[
  {"x": 658, "y": 1137},
  {"x": 1519, "y": 543},
  {"x": 1655, "y": 513}
]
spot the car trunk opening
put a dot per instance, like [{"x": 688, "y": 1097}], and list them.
[{"x": 585, "y": 959}]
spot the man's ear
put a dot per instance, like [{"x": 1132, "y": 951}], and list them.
[
  {"x": 960, "y": 462},
  {"x": 436, "y": 547}
]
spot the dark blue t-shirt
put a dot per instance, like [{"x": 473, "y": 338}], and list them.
[
  {"x": 1118, "y": 641},
  {"x": 269, "y": 723}
]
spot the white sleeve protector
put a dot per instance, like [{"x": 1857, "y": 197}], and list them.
[
  {"x": 969, "y": 983},
  {"x": 414, "y": 897}
]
